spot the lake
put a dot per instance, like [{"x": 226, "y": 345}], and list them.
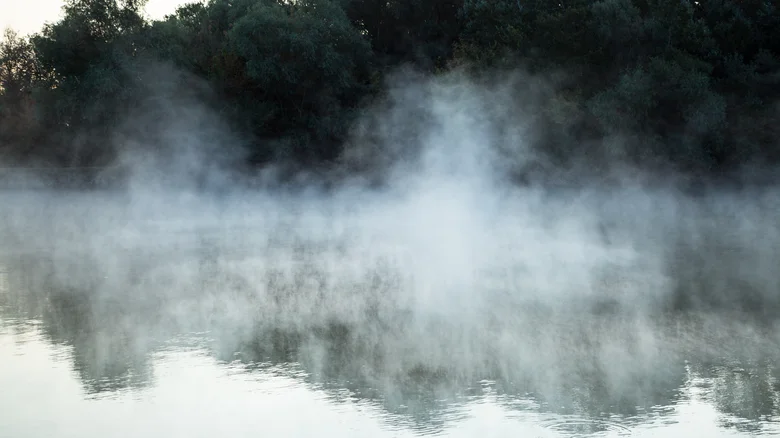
[{"x": 223, "y": 332}]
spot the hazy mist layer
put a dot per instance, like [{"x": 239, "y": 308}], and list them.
[{"x": 445, "y": 269}]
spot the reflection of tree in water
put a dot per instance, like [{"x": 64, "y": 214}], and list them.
[
  {"x": 421, "y": 375},
  {"x": 746, "y": 392},
  {"x": 21, "y": 298},
  {"x": 331, "y": 359},
  {"x": 737, "y": 364},
  {"x": 107, "y": 350},
  {"x": 598, "y": 372},
  {"x": 109, "y": 353},
  {"x": 428, "y": 395}
]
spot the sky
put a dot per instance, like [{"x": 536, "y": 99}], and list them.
[{"x": 29, "y": 16}]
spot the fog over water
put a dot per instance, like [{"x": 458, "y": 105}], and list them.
[{"x": 435, "y": 297}]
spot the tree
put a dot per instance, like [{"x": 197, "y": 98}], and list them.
[
  {"x": 408, "y": 31},
  {"x": 290, "y": 72},
  {"x": 21, "y": 75},
  {"x": 91, "y": 53}
]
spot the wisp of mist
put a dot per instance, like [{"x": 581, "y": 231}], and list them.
[{"x": 445, "y": 267}]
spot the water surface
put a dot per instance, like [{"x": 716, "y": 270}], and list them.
[
  {"x": 112, "y": 326},
  {"x": 73, "y": 365}
]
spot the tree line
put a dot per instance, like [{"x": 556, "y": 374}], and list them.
[{"x": 687, "y": 85}]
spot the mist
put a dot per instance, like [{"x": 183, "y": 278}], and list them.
[{"x": 422, "y": 253}]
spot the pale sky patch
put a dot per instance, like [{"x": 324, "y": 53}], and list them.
[{"x": 29, "y": 16}]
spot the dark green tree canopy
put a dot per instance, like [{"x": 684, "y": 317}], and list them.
[{"x": 687, "y": 85}]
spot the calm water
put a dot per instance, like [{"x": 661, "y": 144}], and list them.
[{"x": 178, "y": 345}]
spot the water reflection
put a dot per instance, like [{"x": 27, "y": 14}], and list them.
[{"x": 569, "y": 373}]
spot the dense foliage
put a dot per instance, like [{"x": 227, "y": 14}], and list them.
[{"x": 690, "y": 85}]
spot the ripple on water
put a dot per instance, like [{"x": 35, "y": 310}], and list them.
[{"x": 578, "y": 427}]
